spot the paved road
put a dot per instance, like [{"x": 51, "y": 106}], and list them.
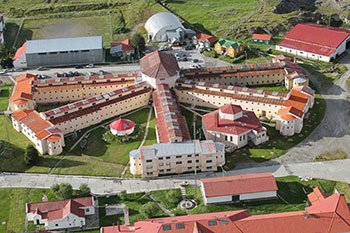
[
  {"x": 334, "y": 131},
  {"x": 334, "y": 170}
]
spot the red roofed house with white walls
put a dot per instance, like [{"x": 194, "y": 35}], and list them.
[
  {"x": 315, "y": 41},
  {"x": 233, "y": 126},
  {"x": 66, "y": 214},
  {"x": 122, "y": 127}
]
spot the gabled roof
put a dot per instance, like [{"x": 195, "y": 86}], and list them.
[
  {"x": 314, "y": 38},
  {"x": 159, "y": 65},
  {"x": 261, "y": 37},
  {"x": 231, "y": 109},
  {"x": 205, "y": 37},
  {"x": 20, "y": 51},
  {"x": 229, "y": 43},
  {"x": 23, "y": 88},
  {"x": 52, "y": 210},
  {"x": 235, "y": 185},
  {"x": 125, "y": 45}
]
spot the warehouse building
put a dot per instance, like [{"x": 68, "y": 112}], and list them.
[{"x": 59, "y": 52}]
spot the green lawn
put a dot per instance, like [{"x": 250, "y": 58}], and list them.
[
  {"x": 291, "y": 193},
  {"x": 5, "y": 93},
  {"x": 12, "y": 202},
  {"x": 278, "y": 88},
  {"x": 133, "y": 202}
]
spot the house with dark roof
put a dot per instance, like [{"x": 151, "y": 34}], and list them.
[
  {"x": 327, "y": 215},
  {"x": 233, "y": 126},
  {"x": 159, "y": 68},
  {"x": 315, "y": 41},
  {"x": 249, "y": 187},
  {"x": 68, "y": 214}
]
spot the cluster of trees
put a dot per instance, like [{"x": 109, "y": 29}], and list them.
[
  {"x": 31, "y": 155},
  {"x": 5, "y": 57},
  {"x": 65, "y": 191}
]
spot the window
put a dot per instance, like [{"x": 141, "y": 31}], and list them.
[
  {"x": 212, "y": 223},
  {"x": 189, "y": 156},
  {"x": 160, "y": 158},
  {"x": 209, "y": 168},
  {"x": 167, "y": 157},
  {"x": 180, "y": 226},
  {"x": 223, "y": 221},
  {"x": 42, "y": 53},
  {"x": 189, "y": 161},
  {"x": 166, "y": 227},
  {"x": 209, "y": 161},
  {"x": 84, "y": 51},
  {"x": 178, "y": 156},
  {"x": 179, "y": 162},
  {"x": 149, "y": 161}
]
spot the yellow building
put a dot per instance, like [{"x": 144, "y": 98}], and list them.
[{"x": 229, "y": 48}]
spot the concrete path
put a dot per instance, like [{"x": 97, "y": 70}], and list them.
[{"x": 334, "y": 170}]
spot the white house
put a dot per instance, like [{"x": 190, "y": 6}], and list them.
[
  {"x": 315, "y": 41},
  {"x": 248, "y": 187},
  {"x": 61, "y": 215}
]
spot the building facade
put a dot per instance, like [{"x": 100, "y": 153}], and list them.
[
  {"x": 176, "y": 158},
  {"x": 2, "y": 29},
  {"x": 315, "y": 41},
  {"x": 59, "y": 52}
]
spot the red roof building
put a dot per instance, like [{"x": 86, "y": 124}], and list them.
[
  {"x": 330, "y": 215},
  {"x": 63, "y": 214},
  {"x": 233, "y": 126},
  {"x": 261, "y": 38},
  {"x": 206, "y": 38},
  {"x": 238, "y": 188},
  {"x": 121, "y": 48},
  {"x": 122, "y": 127},
  {"x": 315, "y": 41}
]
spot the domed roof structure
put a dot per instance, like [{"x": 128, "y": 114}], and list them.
[{"x": 122, "y": 127}]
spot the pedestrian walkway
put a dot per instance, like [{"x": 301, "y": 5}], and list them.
[{"x": 338, "y": 170}]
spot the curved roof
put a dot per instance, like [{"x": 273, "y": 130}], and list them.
[
  {"x": 161, "y": 20},
  {"x": 122, "y": 125}
]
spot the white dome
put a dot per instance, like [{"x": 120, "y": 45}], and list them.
[{"x": 159, "y": 23}]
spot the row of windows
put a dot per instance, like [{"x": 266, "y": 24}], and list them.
[{"x": 65, "y": 52}]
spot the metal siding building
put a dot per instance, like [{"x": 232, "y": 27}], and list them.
[{"x": 64, "y": 51}]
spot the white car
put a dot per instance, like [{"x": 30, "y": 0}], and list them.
[{"x": 90, "y": 66}]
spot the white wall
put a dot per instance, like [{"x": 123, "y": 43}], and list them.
[
  {"x": 21, "y": 62},
  {"x": 259, "y": 195},
  {"x": 304, "y": 54}
]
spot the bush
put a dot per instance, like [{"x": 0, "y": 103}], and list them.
[
  {"x": 149, "y": 209},
  {"x": 84, "y": 190},
  {"x": 31, "y": 155},
  {"x": 138, "y": 41},
  {"x": 174, "y": 197},
  {"x": 63, "y": 190},
  {"x": 123, "y": 195}
]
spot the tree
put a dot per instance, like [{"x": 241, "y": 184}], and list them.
[
  {"x": 63, "y": 190},
  {"x": 149, "y": 209},
  {"x": 174, "y": 197},
  {"x": 5, "y": 57},
  {"x": 138, "y": 41},
  {"x": 84, "y": 190},
  {"x": 31, "y": 155},
  {"x": 123, "y": 195}
]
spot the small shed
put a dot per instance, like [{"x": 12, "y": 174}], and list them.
[
  {"x": 248, "y": 187},
  {"x": 122, "y": 48},
  {"x": 261, "y": 38}
]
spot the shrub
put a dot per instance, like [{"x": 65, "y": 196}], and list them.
[
  {"x": 63, "y": 190},
  {"x": 31, "y": 155},
  {"x": 138, "y": 41},
  {"x": 123, "y": 195},
  {"x": 84, "y": 190},
  {"x": 149, "y": 209},
  {"x": 174, "y": 197}
]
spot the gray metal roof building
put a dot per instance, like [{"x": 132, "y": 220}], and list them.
[{"x": 60, "y": 52}]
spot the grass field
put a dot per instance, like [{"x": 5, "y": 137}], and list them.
[
  {"x": 291, "y": 193},
  {"x": 5, "y": 93},
  {"x": 12, "y": 211},
  {"x": 98, "y": 159}
]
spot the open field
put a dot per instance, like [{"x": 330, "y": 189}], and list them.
[
  {"x": 12, "y": 202},
  {"x": 292, "y": 197}
]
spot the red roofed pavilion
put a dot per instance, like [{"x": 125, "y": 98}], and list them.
[{"x": 122, "y": 127}]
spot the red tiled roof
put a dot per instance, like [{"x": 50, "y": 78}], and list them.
[
  {"x": 330, "y": 215},
  {"x": 316, "y": 196},
  {"x": 313, "y": 38},
  {"x": 261, "y": 36},
  {"x": 20, "y": 51},
  {"x": 159, "y": 65},
  {"x": 205, "y": 37},
  {"x": 231, "y": 109},
  {"x": 52, "y": 210},
  {"x": 122, "y": 124},
  {"x": 126, "y": 45},
  {"x": 248, "y": 122},
  {"x": 290, "y": 110},
  {"x": 170, "y": 122},
  {"x": 235, "y": 185},
  {"x": 23, "y": 88}
]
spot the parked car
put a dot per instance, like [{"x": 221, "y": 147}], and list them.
[
  {"x": 90, "y": 66},
  {"x": 195, "y": 60},
  {"x": 79, "y": 67},
  {"x": 76, "y": 73},
  {"x": 42, "y": 68}
]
